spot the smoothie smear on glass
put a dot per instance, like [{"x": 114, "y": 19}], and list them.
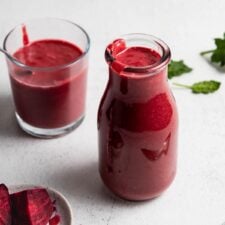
[{"x": 123, "y": 57}]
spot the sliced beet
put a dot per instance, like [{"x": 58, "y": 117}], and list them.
[
  {"x": 55, "y": 220},
  {"x": 31, "y": 207},
  {"x": 5, "y": 208}
]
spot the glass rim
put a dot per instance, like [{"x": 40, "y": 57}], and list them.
[
  {"x": 47, "y": 68},
  {"x": 149, "y": 69}
]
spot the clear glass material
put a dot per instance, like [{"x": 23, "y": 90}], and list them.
[
  {"x": 54, "y": 105},
  {"x": 137, "y": 123}
]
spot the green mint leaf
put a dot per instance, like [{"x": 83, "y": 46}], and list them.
[
  {"x": 177, "y": 68},
  {"x": 203, "y": 87},
  {"x": 218, "y": 54}
]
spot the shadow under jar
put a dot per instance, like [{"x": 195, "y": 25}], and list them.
[
  {"x": 137, "y": 119},
  {"x": 48, "y": 64}
]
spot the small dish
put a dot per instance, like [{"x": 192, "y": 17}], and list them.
[{"x": 62, "y": 205}]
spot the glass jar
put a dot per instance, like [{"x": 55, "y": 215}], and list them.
[{"x": 137, "y": 119}]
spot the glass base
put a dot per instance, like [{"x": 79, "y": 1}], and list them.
[{"x": 48, "y": 133}]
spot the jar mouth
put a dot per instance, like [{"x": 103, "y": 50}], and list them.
[
  {"x": 48, "y": 68},
  {"x": 147, "y": 41}
]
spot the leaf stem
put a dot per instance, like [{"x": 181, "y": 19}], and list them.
[
  {"x": 182, "y": 85},
  {"x": 206, "y": 52}
]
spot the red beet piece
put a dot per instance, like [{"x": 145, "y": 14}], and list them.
[
  {"x": 5, "y": 209},
  {"x": 31, "y": 207},
  {"x": 54, "y": 220}
]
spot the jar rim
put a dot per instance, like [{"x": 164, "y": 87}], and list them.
[
  {"x": 48, "y": 68},
  {"x": 149, "y": 69}
]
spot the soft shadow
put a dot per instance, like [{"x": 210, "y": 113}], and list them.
[
  {"x": 8, "y": 123},
  {"x": 220, "y": 69},
  {"x": 85, "y": 185}
]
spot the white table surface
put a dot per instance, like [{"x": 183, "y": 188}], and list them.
[{"x": 69, "y": 164}]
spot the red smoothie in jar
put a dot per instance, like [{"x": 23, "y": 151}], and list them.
[
  {"x": 137, "y": 122},
  {"x": 52, "y": 97}
]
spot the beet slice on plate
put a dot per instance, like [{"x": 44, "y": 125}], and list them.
[
  {"x": 5, "y": 208},
  {"x": 33, "y": 205}
]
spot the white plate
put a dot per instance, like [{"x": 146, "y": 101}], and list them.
[{"x": 62, "y": 205}]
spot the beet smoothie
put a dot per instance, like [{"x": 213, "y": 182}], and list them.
[
  {"x": 48, "y": 62},
  {"x": 137, "y": 120},
  {"x": 54, "y": 98}
]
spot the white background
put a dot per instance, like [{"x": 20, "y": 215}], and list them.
[{"x": 69, "y": 164}]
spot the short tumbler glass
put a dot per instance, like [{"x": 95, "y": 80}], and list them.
[{"x": 55, "y": 105}]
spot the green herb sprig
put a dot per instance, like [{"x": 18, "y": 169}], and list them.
[
  {"x": 204, "y": 87},
  {"x": 217, "y": 54},
  {"x": 177, "y": 68}
]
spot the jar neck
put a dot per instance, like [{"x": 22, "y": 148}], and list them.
[
  {"x": 135, "y": 86},
  {"x": 137, "y": 65}
]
